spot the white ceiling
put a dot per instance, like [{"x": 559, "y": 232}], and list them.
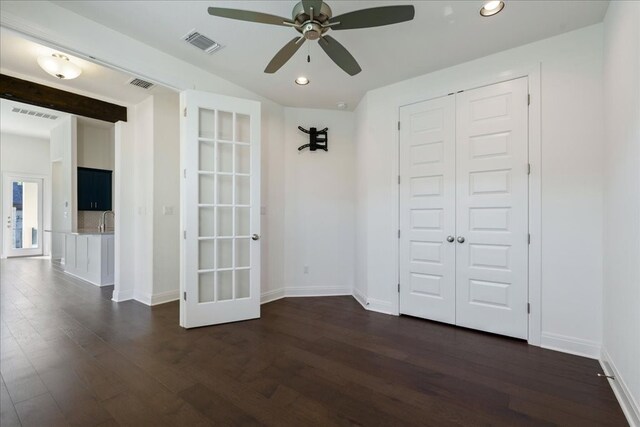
[
  {"x": 27, "y": 124},
  {"x": 18, "y": 58},
  {"x": 443, "y": 33}
]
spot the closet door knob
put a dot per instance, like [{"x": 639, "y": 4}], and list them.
[
  {"x": 255, "y": 237},
  {"x": 460, "y": 239},
  {"x": 450, "y": 239}
]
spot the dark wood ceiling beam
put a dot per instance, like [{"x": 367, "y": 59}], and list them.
[{"x": 44, "y": 96}]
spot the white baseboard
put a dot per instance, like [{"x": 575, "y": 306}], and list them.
[
  {"x": 156, "y": 299},
  {"x": 87, "y": 280},
  {"x": 629, "y": 405},
  {"x": 571, "y": 345},
  {"x": 316, "y": 291},
  {"x": 164, "y": 297},
  {"x": 304, "y": 291},
  {"x": 273, "y": 295},
  {"x": 380, "y": 306},
  {"x": 122, "y": 296},
  {"x": 359, "y": 296}
]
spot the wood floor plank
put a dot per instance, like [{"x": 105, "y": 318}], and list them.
[{"x": 71, "y": 356}]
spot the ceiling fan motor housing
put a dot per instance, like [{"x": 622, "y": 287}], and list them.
[{"x": 311, "y": 29}]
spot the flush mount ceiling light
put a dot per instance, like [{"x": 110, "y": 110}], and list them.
[
  {"x": 491, "y": 8},
  {"x": 59, "y": 66},
  {"x": 302, "y": 81}
]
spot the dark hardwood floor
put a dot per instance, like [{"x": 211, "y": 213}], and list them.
[{"x": 70, "y": 356}]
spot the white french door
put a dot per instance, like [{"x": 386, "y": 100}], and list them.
[
  {"x": 482, "y": 195},
  {"x": 22, "y": 211},
  {"x": 220, "y": 141}
]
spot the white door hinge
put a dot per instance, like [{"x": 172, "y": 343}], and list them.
[
  {"x": 528, "y": 99},
  {"x": 398, "y": 124},
  {"x": 398, "y": 179},
  {"x": 184, "y": 295},
  {"x": 184, "y": 113},
  {"x": 184, "y": 234},
  {"x": 529, "y": 238},
  {"x": 398, "y": 287},
  {"x": 398, "y": 234},
  {"x": 184, "y": 173},
  {"x": 528, "y": 308},
  {"x": 528, "y": 168}
]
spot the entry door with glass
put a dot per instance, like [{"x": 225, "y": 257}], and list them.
[
  {"x": 22, "y": 215},
  {"x": 220, "y": 209}
]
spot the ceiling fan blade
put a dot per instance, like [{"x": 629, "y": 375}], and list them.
[
  {"x": 373, "y": 17},
  {"x": 284, "y": 54},
  {"x": 248, "y": 15},
  {"x": 339, "y": 55},
  {"x": 315, "y": 4}
]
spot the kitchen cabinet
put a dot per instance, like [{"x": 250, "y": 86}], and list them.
[
  {"x": 89, "y": 256},
  {"x": 94, "y": 189}
]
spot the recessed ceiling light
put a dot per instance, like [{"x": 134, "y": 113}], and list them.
[
  {"x": 342, "y": 105},
  {"x": 302, "y": 81},
  {"x": 492, "y": 7},
  {"x": 59, "y": 66}
]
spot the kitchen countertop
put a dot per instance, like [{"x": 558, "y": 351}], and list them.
[{"x": 84, "y": 232}]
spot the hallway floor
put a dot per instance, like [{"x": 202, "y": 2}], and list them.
[{"x": 71, "y": 356}]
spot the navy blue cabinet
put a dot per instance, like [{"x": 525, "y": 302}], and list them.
[{"x": 94, "y": 189}]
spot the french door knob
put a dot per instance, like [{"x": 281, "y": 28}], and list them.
[
  {"x": 450, "y": 239},
  {"x": 460, "y": 239},
  {"x": 255, "y": 237}
]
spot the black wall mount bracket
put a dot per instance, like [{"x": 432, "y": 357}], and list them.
[{"x": 318, "y": 139}]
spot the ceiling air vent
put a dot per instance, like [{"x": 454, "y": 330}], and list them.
[
  {"x": 140, "y": 83},
  {"x": 34, "y": 113},
  {"x": 201, "y": 41}
]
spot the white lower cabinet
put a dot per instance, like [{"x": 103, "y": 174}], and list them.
[{"x": 90, "y": 257}]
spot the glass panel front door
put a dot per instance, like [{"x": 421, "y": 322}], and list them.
[{"x": 23, "y": 216}]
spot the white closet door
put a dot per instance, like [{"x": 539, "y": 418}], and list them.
[
  {"x": 427, "y": 209},
  {"x": 492, "y": 208},
  {"x": 221, "y": 209}
]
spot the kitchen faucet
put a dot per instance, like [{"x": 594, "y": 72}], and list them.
[{"x": 103, "y": 222}]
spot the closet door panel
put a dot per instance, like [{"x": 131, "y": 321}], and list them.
[
  {"x": 492, "y": 208},
  {"x": 427, "y": 209}
]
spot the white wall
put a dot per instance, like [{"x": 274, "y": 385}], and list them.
[
  {"x": 621, "y": 346},
  {"x": 166, "y": 197},
  {"x": 63, "y": 155},
  {"x": 571, "y": 170},
  {"x": 141, "y": 178},
  {"x": 319, "y": 206},
  {"x": 95, "y": 145},
  {"x": 27, "y": 155}
]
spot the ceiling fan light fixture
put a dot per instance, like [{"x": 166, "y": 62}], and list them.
[
  {"x": 302, "y": 81},
  {"x": 58, "y": 65},
  {"x": 492, "y": 7}
]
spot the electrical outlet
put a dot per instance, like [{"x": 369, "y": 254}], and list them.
[{"x": 306, "y": 269}]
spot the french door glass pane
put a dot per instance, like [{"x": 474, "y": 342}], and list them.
[
  {"x": 225, "y": 126},
  {"x": 224, "y": 257},
  {"x": 205, "y": 223},
  {"x": 205, "y": 256},
  {"x": 243, "y": 128},
  {"x": 207, "y": 156},
  {"x": 206, "y": 190},
  {"x": 225, "y": 157},
  {"x": 24, "y": 215},
  {"x": 243, "y": 159},
  {"x": 242, "y": 221},
  {"x": 242, "y": 283},
  {"x": 206, "y": 287},
  {"x": 225, "y": 285},
  {"x": 207, "y": 123},
  {"x": 225, "y": 221},
  {"x": 242, "y": 253},
  {"x": 225, "y": 189}
]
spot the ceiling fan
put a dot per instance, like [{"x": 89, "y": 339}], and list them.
[{"x": 312, "y": 19}]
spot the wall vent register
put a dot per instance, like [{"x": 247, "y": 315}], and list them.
[{"x": 34, "y": 113}]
